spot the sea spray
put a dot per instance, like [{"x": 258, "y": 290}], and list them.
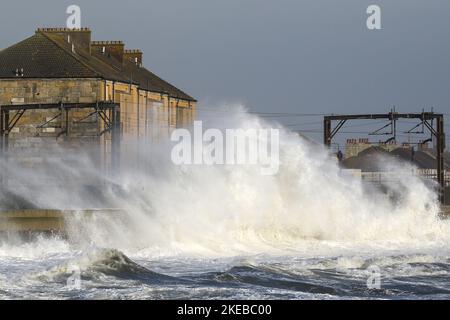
[
  {"x": 234, "y": 209},
  {"x": 225, "y": 231}
]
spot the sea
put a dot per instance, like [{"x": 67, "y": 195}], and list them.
[{"x": 309, "y": 231}]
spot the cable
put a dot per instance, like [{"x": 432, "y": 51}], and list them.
[
  {"x": 228, "y": 110},
  {"x": 301, "y": 124},
  {"x": 365, "y": 124}
]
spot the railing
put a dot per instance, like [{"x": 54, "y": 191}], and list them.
[{"x": 389, "y": 176}]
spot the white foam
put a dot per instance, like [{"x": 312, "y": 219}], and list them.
[{"x": 308, "y": 207}]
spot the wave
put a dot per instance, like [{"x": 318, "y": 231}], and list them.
[
  {"x": 231, "y": 210},
  {"x": 99, "y": 265},
  {"x": 402, "y": 276}
]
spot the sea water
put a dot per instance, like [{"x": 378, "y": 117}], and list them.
[{"x": 209, "y": 232}]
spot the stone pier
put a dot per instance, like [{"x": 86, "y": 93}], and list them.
[{"x": 47, "y": 221}]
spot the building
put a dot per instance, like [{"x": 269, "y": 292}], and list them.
[
  {"x": 370, "y": 162},
  {"x": 355, "y": 146},
  {"x": 64, "y": 66}
]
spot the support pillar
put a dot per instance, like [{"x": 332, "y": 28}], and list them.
[
  {"x": 115, "y": 139},
  {"x": 440, "y": 157},
  {"x": 6, "y": 133},
  {"x": 327, "y": 132},
  {"x": 2, "y": 127},
  {"x": 66, "y": 123},
  {"x": 4, "y": 145}
]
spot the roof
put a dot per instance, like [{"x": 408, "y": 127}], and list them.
[
  {"x": 49, "y": 55},
  {"x": 369, "y": 160},
  {"x": 373, "y": 150},
  {"x": 421, "y": 159},
  {"x": 41, "y": 58},
  {"x": 146, "y": 79}
]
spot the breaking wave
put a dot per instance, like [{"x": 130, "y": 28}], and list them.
[
  {"x": 235, "y": 210},
  {"x": 228, "y": 232},
  {"x": 230, "y": 210},
  {"x": 97, "y": 264}
]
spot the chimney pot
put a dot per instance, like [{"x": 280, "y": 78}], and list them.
[
  {"x": 135, "y": 56},
  {"x": 113, "y": 48},
  {"x": 81, "y": 38}
]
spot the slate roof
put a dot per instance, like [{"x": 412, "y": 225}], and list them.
[
  {"x": 49, "y": 55},
  {"x": 370, "y": 159},
  {"x": 146, "y": 79},
  {"x": 369, "y": 162},
  {"x": 422, "y": 160},
  {"x": 41, "y": 58}
]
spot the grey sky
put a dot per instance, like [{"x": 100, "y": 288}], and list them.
[{"x": 304, "y": 56}]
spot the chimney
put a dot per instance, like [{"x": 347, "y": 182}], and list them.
[
  {"x": 114, "y": 49},
  {"x": 80, "y": 38},
  {"x": 134, "y": 56},
  {"x": 423, "y": 145}
]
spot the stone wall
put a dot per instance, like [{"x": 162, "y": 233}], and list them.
[
  {"x": 49, "y": 90},
  {"x": 40, "y": 133},
  {"x": 145, "y": 116}
]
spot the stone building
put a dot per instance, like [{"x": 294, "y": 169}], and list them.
[
  {"x": 353, "y": 147},
  {"x": 64, "y": 66}
]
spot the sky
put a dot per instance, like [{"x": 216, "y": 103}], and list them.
[{"x": 283, "y": 56}]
